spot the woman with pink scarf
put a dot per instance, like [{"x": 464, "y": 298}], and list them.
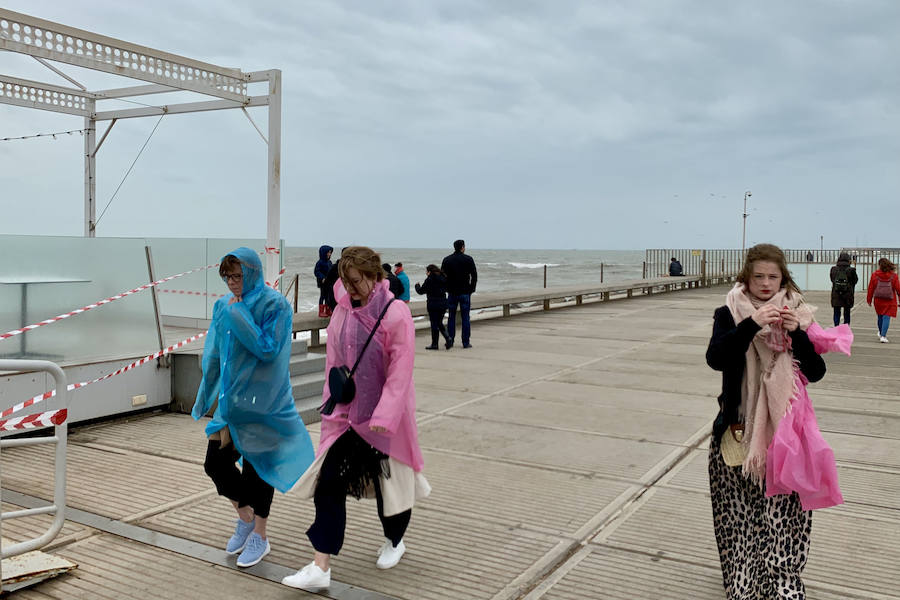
[
  {"x": 761, "y": 346},
  {"x": 369, "y": 446}
]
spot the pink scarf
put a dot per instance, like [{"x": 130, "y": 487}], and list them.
[{"x": 770, "y": 377}]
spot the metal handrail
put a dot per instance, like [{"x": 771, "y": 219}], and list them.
[
  {"x": 295, "y": 284},
  {"x": 58, "y": 508}
]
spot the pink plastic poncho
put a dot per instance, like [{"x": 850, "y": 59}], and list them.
[
  {"x": 385, "y": 396},
  {"x": 799, "y": 459}
]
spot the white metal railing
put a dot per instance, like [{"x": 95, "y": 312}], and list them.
[{"x": 59, "y": 437}]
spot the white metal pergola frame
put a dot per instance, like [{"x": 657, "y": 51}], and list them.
[{"x": 164, "y": 72}]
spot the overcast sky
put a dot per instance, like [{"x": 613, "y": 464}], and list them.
[{"x": 512, "y": 124}]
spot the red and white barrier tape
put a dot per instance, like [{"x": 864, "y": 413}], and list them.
[
  {"x": 78, "y": 311},
  {"x": 275, "y": 285},
  {"x": 44, "y": 419},
  {"x": 75, "y": 386},
  {"x": 191, "y": 293}
]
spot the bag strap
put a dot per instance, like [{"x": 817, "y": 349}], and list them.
[{"x": 377, "y": 323}]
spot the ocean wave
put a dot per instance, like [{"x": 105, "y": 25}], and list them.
[{"x": 532, "y": 265}]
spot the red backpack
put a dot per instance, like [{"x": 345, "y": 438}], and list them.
[{"x": 884, "y": 289}]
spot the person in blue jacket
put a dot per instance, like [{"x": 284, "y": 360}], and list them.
[
  {"x": 246, "y": 374},
  {"x": 321, "y": 272},
  {"x": 404, "y": 279}
]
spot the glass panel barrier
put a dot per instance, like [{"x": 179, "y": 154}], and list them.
[{"x": 43, "y": 276}]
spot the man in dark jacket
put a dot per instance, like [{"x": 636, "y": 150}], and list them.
[
  {"x": 675, "y": 269},
  {"x": 843, "y": 284},
  {"x": 321, "y": 272},
  {"x": 393, "y": 282},
  {"x": 459, "y": 268}
]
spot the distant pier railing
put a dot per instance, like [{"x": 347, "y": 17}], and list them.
[{"x": 506, "y": 301}]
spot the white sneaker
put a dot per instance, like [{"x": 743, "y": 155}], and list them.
[
  {"x": 390, "y": 555},
  {"x": 884, "y": 340},
  {"x": 310, "y": 578}
]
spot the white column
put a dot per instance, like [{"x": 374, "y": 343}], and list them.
[
  {"x": 90, "y": 173},
  {"x": 273, "y": 205}
]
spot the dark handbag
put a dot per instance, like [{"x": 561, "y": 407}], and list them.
[{"x": 341, "y": 387}]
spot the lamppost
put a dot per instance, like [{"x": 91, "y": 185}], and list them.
[{"x": 744, "y": 236}]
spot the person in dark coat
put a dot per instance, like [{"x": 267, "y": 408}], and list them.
[
  {"x": 435, "y": 287},
  {"x": 328, "y": 285},
  {"x": 843, "y": 284},
  {"x": 675, "y": 268},
  {"x": 321, "y": 272},
  {"x": 394, "y": 284},
  {"x": 459, "y": 268}
]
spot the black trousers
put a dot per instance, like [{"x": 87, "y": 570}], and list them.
[
  {"x": 327, "y": 531},
  {"x": 436, "y": 316},
  {"x": 242, "y": 486}
]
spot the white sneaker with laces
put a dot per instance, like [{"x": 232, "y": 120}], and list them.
[
  {"x": 310, "y": 578},
  {"x": 884, "y": 339},
  {"x": 390, "y": 555}
]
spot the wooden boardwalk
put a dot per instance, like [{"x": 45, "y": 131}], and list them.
[{"x": 567, "y": 451}]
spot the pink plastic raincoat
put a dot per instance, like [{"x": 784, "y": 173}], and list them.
[
  {"x": 395, "y": 402},
  {"x": 799, "y": 459}
]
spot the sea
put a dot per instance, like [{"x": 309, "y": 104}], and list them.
[{"x": 498, "y": 270}]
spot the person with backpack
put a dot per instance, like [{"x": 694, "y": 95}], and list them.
[
  {"x": 321, "y": 272},
  {"x": 884, "y": 289},
  {"x": 843, "y": 285}
]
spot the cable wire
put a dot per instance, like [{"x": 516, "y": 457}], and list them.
[
  {"x": 37, "y": 135},
  {"x": 127, "y": 173}
]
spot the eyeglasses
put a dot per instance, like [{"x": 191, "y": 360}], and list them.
[{"x": 235, "y": 277}]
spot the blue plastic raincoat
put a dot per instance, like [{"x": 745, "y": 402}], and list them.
[{"x": 246, "y": 368}]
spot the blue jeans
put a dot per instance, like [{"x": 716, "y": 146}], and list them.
[
  {"x": 465, "y": 303},
  {"x": 884, "y": 322},
  {"x": 837, "y": 315}
]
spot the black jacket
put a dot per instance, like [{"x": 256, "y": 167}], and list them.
[
  {"x": 435, "y": 287},
  {"x": 675, "y": 268},
  {"x": 838, "y": 299},
  {"x": 461, "y": 274},
  {"x": 328, "y": 284},
  {"x": 727, "y": 353},
  {"x": 396, "y": 286}
]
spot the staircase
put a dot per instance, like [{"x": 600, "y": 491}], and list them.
[{"x": 307, "y": 380}]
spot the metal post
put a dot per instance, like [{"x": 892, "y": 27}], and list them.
[
  {"x": 90, "y": 173},
  {"x": 744, "y": 236},
  {"x": 162, "y": 361},
  {"x": 601, "y": 272},
  {"x": 545, "y": 276},
  {"x": 273, "y": 206},
  {"x": 703, "y": 281}
]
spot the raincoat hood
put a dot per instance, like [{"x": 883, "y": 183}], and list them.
[
  {"x": 251, "y": 267},
  {"x": 843, "y": 260},
  {"x": 323, "y": 252}
]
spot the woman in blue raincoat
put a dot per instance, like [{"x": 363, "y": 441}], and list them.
[{"x": 246, "y": 371}]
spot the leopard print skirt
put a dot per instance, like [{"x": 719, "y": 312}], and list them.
[{"x": 763, "y": 542}]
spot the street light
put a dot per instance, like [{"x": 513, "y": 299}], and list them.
[{"x": 744, "y": 236}]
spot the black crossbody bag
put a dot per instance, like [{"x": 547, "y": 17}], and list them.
[{"x": 341, "y": 387}]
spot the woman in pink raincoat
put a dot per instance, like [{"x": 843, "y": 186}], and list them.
[{"x": 369, "y": 446}]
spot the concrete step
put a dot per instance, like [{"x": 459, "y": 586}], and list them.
[
  {"x": 308, "y": 363},
  {"x": 309, "y": 384},
  {"x": 299, "y": 346},
  {"x": 308, "y": 408}
]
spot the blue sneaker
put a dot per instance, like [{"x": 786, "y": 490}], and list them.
[
  {"x": 256, "y": 549},
  {"x": 241, "y": 532}
]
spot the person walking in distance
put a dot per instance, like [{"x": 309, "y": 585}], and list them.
[
  {"x": 435, "y": 287},
  {"x": 246, "y": 376},
  {"x": 321, "y": 272},
  {"x": 843, "y": 284},
  {"x": 462, "y": 277},
  {"x": 404, "y": 279},
  {"x": 884, "y": 288}
]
